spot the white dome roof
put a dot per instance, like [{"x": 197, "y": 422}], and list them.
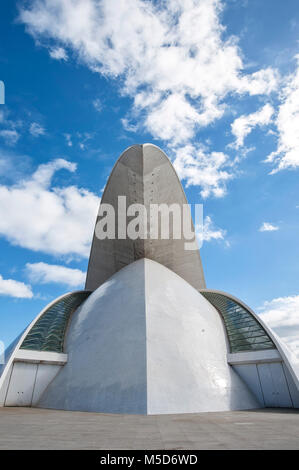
[{"x": 147, "y": 342}]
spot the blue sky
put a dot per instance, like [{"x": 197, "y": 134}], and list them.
[{"x": 214, "y": 84}]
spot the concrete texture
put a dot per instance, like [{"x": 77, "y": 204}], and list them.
[
  {"x": 145, "y": 175},
  {"x": 187, "y": 369},
  {"x": 147, "y": 342},
  {"x": 29, "y": 428},
  {"x": 106, "y": 347}
]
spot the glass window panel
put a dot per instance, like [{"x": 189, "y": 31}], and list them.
[
  {"x": 244, "y": 332},
  {"x": 48, "y": 332}
]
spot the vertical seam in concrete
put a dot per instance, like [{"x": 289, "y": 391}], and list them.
[
  {"x": 144, "y": 285},
  {"x": 145, "y": 324},
  {"x": 258, "y": 374},
  {"x": 34, "y": 384},
  {"x": 284, "y": 374},
  {"x": 8, "y": 385},
  {"x": 260, "y": 384}
]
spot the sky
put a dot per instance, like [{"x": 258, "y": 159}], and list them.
[{"x": 214, "y": 83}]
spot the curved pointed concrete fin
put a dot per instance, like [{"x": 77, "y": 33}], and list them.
[{"x": 145, "y": 175}]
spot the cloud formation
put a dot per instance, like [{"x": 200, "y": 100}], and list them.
[
  {"x": 286, "y": 156},
  {"x": 198, "y": 167},
  {"x": 58, "y": 53},
  {"x": 97, "y": 104},
  {"x": 68, "y": 139},
  {"x": 10, "y": 136},
  {"x": 44, "y": 273},
  {"x": 55, "y": 220},
  {"x": 243, "y": 125},
  {"x": 267, "y": 227},
  {"x": 281, "y": 314},
  {"x": 36, "y": 129},
  {"x": 210, "y": 232},
  {"x": 12, "y": 288},
  {"x": 174, "y": 60}
]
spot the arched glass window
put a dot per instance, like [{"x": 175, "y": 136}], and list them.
[
  {"x": 47, "y": 334},
  {"x": 244, "y": 332}
]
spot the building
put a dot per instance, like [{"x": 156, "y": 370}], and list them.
[{"x": 146, "y": 336}]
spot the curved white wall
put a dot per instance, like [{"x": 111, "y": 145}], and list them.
[{"x": 147, "y": 342}]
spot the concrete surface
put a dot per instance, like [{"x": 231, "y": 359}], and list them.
[
  {"x": 147, "y": 342},
  {"x": 145, "y": 175},
  {"x": 31, "y": 428}
]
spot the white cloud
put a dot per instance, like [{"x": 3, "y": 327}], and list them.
[
  {"x": 83, "y": 139},
  {"x": 36, "y": 129},
  {"x": 243, "y": 125},
  {"x": 262, "y": 82},
  {"x": 282, "y": 315},
  {"x": 171, "y": 59},
  {"x": 267, "y": 227},
  {"x": 199, "y": 168},
  {"x": 58, "y": 53},
  {"x": 97, "y": 104},
  {"x": 42, "y": 217},
  {"x": 210, "y": 232},
  {"x": 287, "y": 153},
  {"x": 281, "y": 311},
  {"x": 128, "y": 126},
  {"x": 44, "y": 273},
  {"x": 13, "y": 288},
  {"x": 173, "y": 119},
  {"x": 10, "y": 136},
  {"x": 10, "y": 131},
  {"x": 68, "y": 139},
  {"x": 293, "y": 342}
]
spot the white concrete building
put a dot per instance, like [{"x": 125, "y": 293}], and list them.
[{"x": 146, "y": 336}]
